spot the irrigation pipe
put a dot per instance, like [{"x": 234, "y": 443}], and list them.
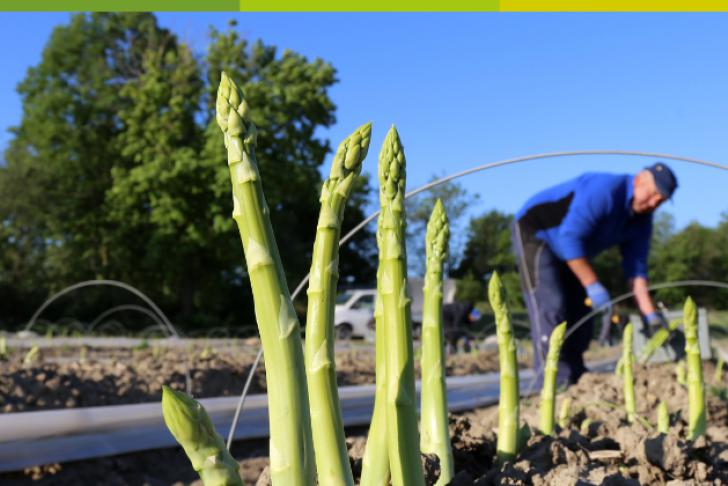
[{"x": 492, "y": 165}]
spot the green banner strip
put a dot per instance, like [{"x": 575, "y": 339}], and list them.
[
  {"x": 369, "y": 6},
  {"x": 120, "y": 5}
]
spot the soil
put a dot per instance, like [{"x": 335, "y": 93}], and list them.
[
  {"x": 596, "y": 446},
  {"x": 61, "y": 378}
]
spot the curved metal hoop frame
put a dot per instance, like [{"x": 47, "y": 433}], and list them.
[
  {"x": 112, "y": 283},
  {"x": 457, "y": 175}
]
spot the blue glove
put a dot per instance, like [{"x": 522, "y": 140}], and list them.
[
  {"x": 656, "y": 320},
  {"x": 599, "y": 297}
]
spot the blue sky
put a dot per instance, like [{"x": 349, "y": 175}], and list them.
[{"x": 467, "y": 89}]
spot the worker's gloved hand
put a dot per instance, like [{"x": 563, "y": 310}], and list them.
[
  {"x": 599, "y": 297},
  {"x": 655, "y": 320}
]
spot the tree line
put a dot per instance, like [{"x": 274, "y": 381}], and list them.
[{"x": 117, "y": 170}]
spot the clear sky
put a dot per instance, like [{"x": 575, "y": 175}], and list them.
[{"x": 467, "y": 89}]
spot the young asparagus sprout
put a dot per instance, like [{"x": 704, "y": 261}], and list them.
[
  {"x": 551, "y": 367},
  {"x": 663, "y": 418},
  {"x": 291, "y": 447},
  {"x": 657, "y": 340},
  {"x": 508, "y": 406},
  {"x": 3, "y": 347},
  {"x": 31, "y": 356},
  {"x": 191, "y": 427},
  {"x": 584, "y": 427},
  {"x": 564, "y": 412},
  {"x": 718, "y": 376},
  {"x": 680, "y": 373},
  {"x": 402, "y": 435},
  {"x": 627, "y": 372},
  {"x": 434, "y": 420},
  {"x": 696, "y": 386},
  {"x": 375, "y": 463},
  {"x": 332, "y": 459}
]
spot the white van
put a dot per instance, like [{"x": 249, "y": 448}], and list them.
[{"x": 354, "y": 311}]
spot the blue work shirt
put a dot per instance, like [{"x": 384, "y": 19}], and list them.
[{"x": 588, "y": 214}]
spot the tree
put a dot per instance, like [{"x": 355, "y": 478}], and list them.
[
  {"x": 118, "y": 171},
  {"x": 698, "y": 253},
  {"x": 488, "y": 249}
]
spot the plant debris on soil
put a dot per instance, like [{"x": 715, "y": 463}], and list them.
[
  {"x": 61, "y": 378},
  {"x": 597, "y": 446}
]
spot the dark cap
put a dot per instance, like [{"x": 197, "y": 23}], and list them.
[{"x": 665, "y": 179}]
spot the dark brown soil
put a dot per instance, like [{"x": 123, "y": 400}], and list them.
[
  {"x": 605, "y": 451},
  {"x": 60, "y": 379}
]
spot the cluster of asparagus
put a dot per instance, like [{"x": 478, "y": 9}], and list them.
[
  {"x": 304, "y": 412},
  {"x": 306, "y": 429}
]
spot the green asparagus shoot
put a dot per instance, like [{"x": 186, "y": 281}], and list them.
[
  {"x": 657, "y": 340},
  {"x": 628, "y": 372},
  {"x": 551, "y": 368},
  {"x": 565, "y": 412},
  {"x": 31, "y": 356},
  {"x": 696, "y": 385},
  {"x": 402, "y": 435},
  {"x": 332, "y": 460},
  {"x": 663, "y": 418},
  {"x": 375, "y": 463},
  {"x": 508, "y": 405},
  {"x": 291, "y": 447},
  {"x": 191, "y": 427},
  {"x": 434, "y": 419},
  {"x": 584, "y": 427},
  {"x": 681, "y": 373}
]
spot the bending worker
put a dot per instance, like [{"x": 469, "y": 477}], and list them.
[{"x": 556, "y": 234}]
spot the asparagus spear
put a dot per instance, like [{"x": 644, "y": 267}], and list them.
[
  {"x": 663, "y": 418},
  {"x": 31, "y": 356},
  {"x": 291, "y": 447},
  {"x": 375, "y": 463},
  {"x": 508, "y": 405},
  {"x": 191, "y": 427},
  {"x": 435, "y": 433},
  {"x": 681, "y": 373},
  {"x": 565, "y": 412},
  {"x": 627, "y": 372},
  {"x": 332, "y": 459},
  {"x": 402, "y": 435},
  {"x": 551, "y": 367},
  {"x": 657, "y": 340},
  {"x": 696, "y": 386}
]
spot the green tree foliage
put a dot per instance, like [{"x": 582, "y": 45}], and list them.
[
  {"x": 116, "y": 169},
  {"x": 456, "y": 200},
  {"x": 694, "y": 253},
  {"x": 488, "y": 249}
]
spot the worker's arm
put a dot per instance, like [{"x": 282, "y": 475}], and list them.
[
  {"x": 583, "y": 271},
  {"x": 642, "y": 298},
  {"x": 598, "y": 295}
]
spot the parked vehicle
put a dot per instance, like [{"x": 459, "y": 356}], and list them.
[{"x": 354, "y": 311}]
